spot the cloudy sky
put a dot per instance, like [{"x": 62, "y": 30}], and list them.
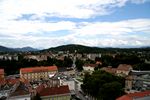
[{"x": 50, "y": 23}]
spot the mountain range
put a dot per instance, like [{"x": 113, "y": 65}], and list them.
[
  {"x": 72, "y": 48},
  {"x": 24, "y": 49},
  {"x": 87, "y": 49}
]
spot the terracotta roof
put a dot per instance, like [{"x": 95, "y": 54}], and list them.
[
  {"x": 109, "y": 70},
  {"x": 124, "y": 67},
  {"x": 12, "y": 81},
  {"x": 55, "y": 90},
  {"x": 40, "y": 88},
  {"x": 38, "y": 69},
  {"x": 2, "y": 81},
  {"x": 8, "y": 81},
  {"x": 131, "y": 96},
  {"x": 1, "y": 71},
  {"x": 90, "y": 65}
]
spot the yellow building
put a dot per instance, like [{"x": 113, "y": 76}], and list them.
[{"x": 37, "y": 73}]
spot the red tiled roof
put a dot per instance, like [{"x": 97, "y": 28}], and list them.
[
  {"x": 55, "y": 90},
  {"x": 109, "y": 70},
  {"x": 40, "y": 88},
  {"x": 134, "y": 95},
  {"x": 2, "y": 81},
  {"x": 90, "y": 65},
  {"x": 12, "y": 81},
  {"x": 1, "y": 71},
  {"x": 38, "y": 69},
  {"x": 124, "y": 67}
]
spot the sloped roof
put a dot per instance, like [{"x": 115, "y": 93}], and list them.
[
  {"x": 20, "y": 90},
  {"x": 90, "y": 65},
  {"x": 109, "y": 70},
  {"x": 54, "y": 91},
  {"x": 124, "y": 67},
  {"x": 38, "y": 69},
  {"x": 1, "y": 71},
  {"x": 131, "y": 96}
]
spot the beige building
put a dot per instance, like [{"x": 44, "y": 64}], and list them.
[
  {"x": 89, "y": 67},
  {"x": 123, "y": 70},
  {"x": 37, "y": 73}
]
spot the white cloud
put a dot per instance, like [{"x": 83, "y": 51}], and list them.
[
  {"x": 105, "y": 34},
  {"x": 12, "y": 9},
  {"x": 114, "y": 28},
  {"x": 16, "y": 31},
  {"x": 18, "y": 28}
]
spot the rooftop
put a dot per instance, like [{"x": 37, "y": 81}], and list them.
[
  {"x": 20, "y": 90},
  {"x": 90, "y": 65},
  {"x": 109, "y": 70},
  {"x": 124, "y": 67},
  {"x": 132, "y": 96},
  {"x": 1, "y": 71},
  {"x": 54, "y": 90},
  {"x": 38, "y": 69}
]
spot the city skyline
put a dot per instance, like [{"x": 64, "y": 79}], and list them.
[{"x": 48, "y": 23}]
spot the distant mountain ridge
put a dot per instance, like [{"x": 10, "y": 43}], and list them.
[
  {"x": 87, "y": 49},
  {"x": 26, "y": 49},
  {"x": 76, "y": 47},
  {"x": 7, "y": 49}
]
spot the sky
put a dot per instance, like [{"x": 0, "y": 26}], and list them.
[{"x": 50, "y": 23}]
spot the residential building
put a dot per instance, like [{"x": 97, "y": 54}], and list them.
[
  {"x": 7, "y": 86},
  {"x": 70, "y": 82},
  {"x": 89, "y": 67},
  {"x": 55, "y": 93},
  {"x": 123, "y": 69},
  {"x": 137, "y": 83},
  {"x": 38, "y": 73},
  {"x": 145, "y": 95},
  {"x": 20, "y": 93},
  {"x": 93, "y": 56},
  {"x": 40, "y": 57},
  {"x": 109, "y": 69},
  {"x": 2, "y": 73}
]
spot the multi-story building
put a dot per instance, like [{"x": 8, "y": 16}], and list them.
[
  {"x": 21, "y": 92},
  {"x": 2, "y": 73},
  {"x": 37, "y": 73}
]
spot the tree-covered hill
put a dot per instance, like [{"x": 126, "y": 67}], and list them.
[{"x": 87, "y": 49}]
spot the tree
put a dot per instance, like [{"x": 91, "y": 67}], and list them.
[
  {"x": 79, "y": 64},
  {"x": 102, "y": 85},
  {"x": 67, "y": 62},
  {"x": 111, "y": 91}
]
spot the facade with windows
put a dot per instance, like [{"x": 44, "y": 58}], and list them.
[{"x": 38, "y": 73}]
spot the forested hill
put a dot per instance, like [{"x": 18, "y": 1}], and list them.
[
  {"x": 5, "y": 49},
  {"x": 86, "y": 49}
]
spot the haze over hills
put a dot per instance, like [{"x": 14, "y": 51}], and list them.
[{"x": 8, "y": 49}]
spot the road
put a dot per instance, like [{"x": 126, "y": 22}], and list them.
[{"x": 80, "y": 95}]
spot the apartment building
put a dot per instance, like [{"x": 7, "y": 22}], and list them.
[{"x": 38, "y": 73}]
